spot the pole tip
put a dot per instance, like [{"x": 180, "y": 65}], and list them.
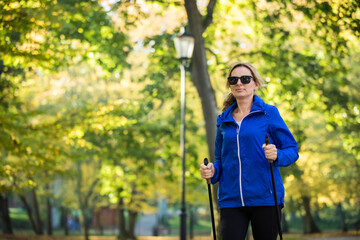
[{"x": 206, "y": 161}]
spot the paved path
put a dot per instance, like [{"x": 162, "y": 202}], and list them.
[
  {"x": 145, "y": 226},
  {"x": 336, "y": 238}
]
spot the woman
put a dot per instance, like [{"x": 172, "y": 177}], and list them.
[{"x": 242, "y": 159}]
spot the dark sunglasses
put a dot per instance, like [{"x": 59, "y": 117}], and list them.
[{"x": 244, "y": 79}]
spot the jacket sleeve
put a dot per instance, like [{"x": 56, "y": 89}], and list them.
[
  {"x": 217, "y": 163},
  {"x": 287, "y": 148}
]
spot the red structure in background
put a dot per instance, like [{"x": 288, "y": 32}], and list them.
[{"x": 104, "y": 217}]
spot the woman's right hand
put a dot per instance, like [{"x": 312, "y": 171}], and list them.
[{"x": 207, "y": 171}]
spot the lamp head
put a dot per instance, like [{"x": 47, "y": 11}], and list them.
[{"x": 184, "y": 45}]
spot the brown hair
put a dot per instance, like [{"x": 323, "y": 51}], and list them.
[{"x": 230, "y": 99}]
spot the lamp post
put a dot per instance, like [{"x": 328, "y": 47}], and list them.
[{"x": 184, "y": 45}]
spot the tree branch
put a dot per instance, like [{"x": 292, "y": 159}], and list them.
[
  {"x": 91, "y": 189},
  {"x": 209, "y": 16},
  {"x": 214, "y": 54},
  {"x": 194, "y": 16}
]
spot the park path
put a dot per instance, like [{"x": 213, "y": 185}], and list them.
[
  {"x": 336, "y": 238},
  {"x": 145, "y": 226},
  {"x": 44, "y": 237}
]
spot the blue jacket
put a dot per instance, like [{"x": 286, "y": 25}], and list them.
[{"x": 240, "y": 163}]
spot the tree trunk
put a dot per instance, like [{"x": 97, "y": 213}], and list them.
[
  {"x": 82, "y": 202},
  {"x": 121, "y": 216},
  {"x": 85, "y": 221},
  {"x": 200, "y": 78},
  {"x": 132, "y": 221},
  {"x": 98, "y": 222},
  {"x": 63, "y": 220},
  {"x": 38, "y": 222},
  {"x": 49, "y": 216},
  {"x": 195, "y": 215},
  {"x": 285, "y": 227},
  {"x": 191, "y": 225},
  {"x": 28, "y": 211},
  {"x": 316, "y": 213},
  {"x": 5, "y": 215},
  {"x": 48, "y": 210},
  {"x": 309, "y": 223},
  {"x": 342, "y": 217},
  {"x": 84, "y": 199}
]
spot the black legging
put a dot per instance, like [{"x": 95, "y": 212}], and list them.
[{"x": 235, "y": 222}]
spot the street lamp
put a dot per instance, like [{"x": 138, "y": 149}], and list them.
[{"x": 184, "y": 45}]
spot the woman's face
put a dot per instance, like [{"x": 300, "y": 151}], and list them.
[{"x": 240, "y": 90}]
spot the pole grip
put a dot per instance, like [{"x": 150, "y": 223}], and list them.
[
  {"x": 206, "y": 162},
  {"x": 267, "y": 140}
]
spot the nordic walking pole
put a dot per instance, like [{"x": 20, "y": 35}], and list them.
[
  {"x": 267, "y": 141},
  {"x": 206, "y": 161}
]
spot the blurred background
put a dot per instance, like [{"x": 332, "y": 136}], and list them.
[{"x": 90, "y": 111}]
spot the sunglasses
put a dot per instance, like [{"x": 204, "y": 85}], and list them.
[{"x": 244, "y": 79}]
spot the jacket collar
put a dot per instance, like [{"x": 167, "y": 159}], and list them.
[{"x": 258, "y": 105}]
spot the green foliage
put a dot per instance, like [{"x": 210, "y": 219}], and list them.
[{"x": 89, "y": 97}]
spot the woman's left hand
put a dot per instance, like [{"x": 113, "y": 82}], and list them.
[{"x": 270, "y": 152}]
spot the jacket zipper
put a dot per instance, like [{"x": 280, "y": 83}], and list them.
[{"x": 238, "y": 146}]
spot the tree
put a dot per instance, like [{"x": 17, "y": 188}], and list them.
[
  {"x": 95, "y": 89},
  {"x": 200, "y": 76},
  {"x": 45, "y": 36}
]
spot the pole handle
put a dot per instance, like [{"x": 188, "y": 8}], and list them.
[
  {"x": 206, "y": 162},
  {"x": 267, "y": 140}
]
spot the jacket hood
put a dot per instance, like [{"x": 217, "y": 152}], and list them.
[{"x": 258, "y": 105}]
